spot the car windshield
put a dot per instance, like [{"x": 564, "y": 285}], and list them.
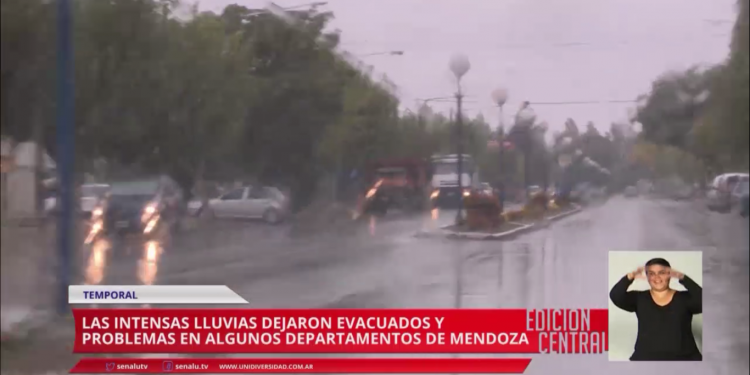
[
  {"x": 134, "y": 188},
  {"x": 130, "y": 198},
  {"x": 452, "y": 168}
]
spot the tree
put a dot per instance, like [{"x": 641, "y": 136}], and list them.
[
  {"x": 237, "y": 95},
  {"x": 704, "y": 112},
  {"x": 675, "y": 101},
  {"x": 721, "y": 134}
]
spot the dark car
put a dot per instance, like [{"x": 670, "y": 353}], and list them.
[{"x": 143, "y": 206}]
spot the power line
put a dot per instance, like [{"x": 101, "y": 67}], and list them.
[
  {"x": 585, "y": 102},
  {"x": 572, "y": 44}
]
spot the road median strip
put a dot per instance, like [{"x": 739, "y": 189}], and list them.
[{"x": 518, "y": 229}]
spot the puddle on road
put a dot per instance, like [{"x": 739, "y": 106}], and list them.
[{"x": 97, "y": 262}]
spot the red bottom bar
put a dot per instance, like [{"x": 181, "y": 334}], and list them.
[{"x": 301, "y": 366}]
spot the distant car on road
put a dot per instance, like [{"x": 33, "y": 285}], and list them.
[
  {"x": 91, "y": 197},
  {"x": 267, "y": 203},
  {"x": 631, "y": 191},
  {"x": 142, "y": 206},
  {"x": 719, "y": 196}
]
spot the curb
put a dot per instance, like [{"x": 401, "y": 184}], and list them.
[
  {"x": 443, "y": 231},
  {"x": 575, "y": 210}
]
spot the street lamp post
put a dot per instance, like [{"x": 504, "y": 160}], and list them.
[
  {"x": 525, "y": 118},
  {"x": 65, "y": 149},
  {"x": 459, "y": 65},
  {"x": 500, "y": 97}
]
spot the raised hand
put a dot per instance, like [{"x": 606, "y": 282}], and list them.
[
  {"x": 637, "y": 274},
  {"x": 676, "y": 274}
]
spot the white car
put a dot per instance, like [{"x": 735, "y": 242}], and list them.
[
  {"x": 718, "y": 197},
  {"x": 267, "y": 203},
  {"x": 91, "y": 196}
]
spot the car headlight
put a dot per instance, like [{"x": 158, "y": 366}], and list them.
[{"x": 149, "y": 209}]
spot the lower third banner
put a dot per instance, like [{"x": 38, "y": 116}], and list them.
[{"x": 301, "y": 365}]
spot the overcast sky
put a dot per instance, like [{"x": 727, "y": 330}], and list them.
[{"x": 539, "y": 50}]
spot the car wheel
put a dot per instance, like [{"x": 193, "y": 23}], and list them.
[{"x": 272, "y": 216}]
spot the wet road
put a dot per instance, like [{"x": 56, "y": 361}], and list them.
[{"x": 384, "y": 265}]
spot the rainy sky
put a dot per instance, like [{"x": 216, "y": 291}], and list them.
[{"x": 546, "y": 51}]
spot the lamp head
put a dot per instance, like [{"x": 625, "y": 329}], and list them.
[{"x": 459, "y": 65}]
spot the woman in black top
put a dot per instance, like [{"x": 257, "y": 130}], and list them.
[{"x": 664, "y": 315}]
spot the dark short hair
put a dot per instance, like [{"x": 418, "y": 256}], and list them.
[{"x": 658, "y": 262}]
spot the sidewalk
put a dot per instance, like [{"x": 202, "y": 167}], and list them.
[
  {"x": 26, "y": 274},
  {"x": 34, "y": 340}
]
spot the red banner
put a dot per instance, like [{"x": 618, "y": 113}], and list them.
[
  {"x": 340, "y": 331},
  {"x": 301, "y": 366}
]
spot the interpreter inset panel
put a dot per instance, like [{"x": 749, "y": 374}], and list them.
[{"x": 655, "y": 305}]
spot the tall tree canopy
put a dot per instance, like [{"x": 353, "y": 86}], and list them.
[
  {"x": 221, "y": 96},
  {"x": 704, "y": 112}
]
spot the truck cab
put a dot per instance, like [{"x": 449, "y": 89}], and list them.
[
  {"x": 395, "y": 183},
  {"x": 445, "y": 187}
]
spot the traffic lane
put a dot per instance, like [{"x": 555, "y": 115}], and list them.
[
  {"x": 327, "y": 270},
  {"x": 726, "y": 274},
  {"x": 383, "y": 265},
  {"x": 563, "y": 266},
  {"x": 137, "y": 259},
  {"x": 213, "y": 250},
  {"x": 224, "y": 251},
  {"x": 567, "y": 268}
]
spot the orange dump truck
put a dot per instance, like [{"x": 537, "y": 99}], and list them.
[{"x": 395, "y": 183}]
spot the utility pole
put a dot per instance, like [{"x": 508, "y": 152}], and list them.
[
  {"x": 65, "y": 150},
  {"x": 527, "y": 164},
  {"x": 460, "y": 164},
  {"x": 500, "y": 97},
  {"x": 501, "y": 158}
]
